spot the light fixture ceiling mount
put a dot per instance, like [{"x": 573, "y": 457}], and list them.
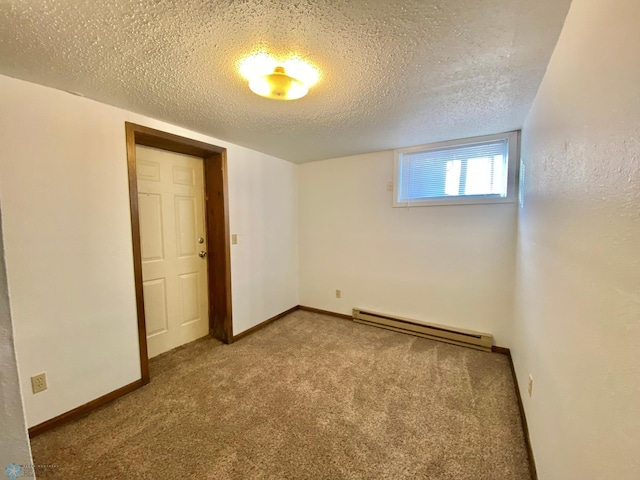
[
  {"x": 279, "y": 79},
  {"x": 278, "y": 85}
]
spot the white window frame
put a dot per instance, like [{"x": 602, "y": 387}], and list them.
[{"x": 513, "y": 161}]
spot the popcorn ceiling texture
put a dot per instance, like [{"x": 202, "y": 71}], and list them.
[{"x": 394, "y": 74}]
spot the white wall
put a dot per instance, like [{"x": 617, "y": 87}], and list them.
[
  {"x": 264, "y": 213},
  {"x": 452, "y": 265},
  {"x": 578, "y": 280},
  {"x": 65, "y": 200},
  {"x": 14, "y": 441}
]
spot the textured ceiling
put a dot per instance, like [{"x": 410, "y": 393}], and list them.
[{"x": 394, "y": 73}]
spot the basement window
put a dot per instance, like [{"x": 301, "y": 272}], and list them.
[{"x": 473, "y": 170}]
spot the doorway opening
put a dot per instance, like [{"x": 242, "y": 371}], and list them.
[{"x": 216, "y": 221}]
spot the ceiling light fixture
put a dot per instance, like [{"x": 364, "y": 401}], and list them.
[{"x": 278, "y": 79}]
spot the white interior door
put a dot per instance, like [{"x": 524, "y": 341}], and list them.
[{"x": 173, "y": 242}]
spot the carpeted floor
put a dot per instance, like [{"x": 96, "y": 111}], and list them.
[{"x": 308, "y": 397}]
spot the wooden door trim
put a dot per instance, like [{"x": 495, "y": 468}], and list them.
[
  {"x": 218, "y": 246},
  {"x": 217, "y": 225}
]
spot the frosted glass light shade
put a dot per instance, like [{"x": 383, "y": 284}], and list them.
[{"x": 278, "y": 85}]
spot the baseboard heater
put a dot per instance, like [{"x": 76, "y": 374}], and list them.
[{"x": 456, "y": 336}]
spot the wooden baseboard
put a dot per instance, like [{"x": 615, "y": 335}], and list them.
[
  {"x": 523, "y": 418},
  {"x": 325, "y": 312},
  {"x": 501, "y": 350},
  {"x": 83, "y": 409},
  {"x": 283, "y": 314},
  {"x": 264, "y": 324}
]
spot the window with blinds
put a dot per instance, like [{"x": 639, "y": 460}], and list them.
[{"x": 476, "y": 170}]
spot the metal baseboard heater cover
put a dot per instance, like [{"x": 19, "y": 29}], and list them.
[{"x": 456, "y": 336}]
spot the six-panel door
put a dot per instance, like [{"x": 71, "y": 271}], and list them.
[{"x": 173, "y": 243}]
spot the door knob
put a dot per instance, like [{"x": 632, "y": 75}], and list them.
[{"x": 202, "y": 254}]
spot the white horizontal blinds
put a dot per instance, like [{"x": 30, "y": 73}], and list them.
[{"x": 464, "y": 170}]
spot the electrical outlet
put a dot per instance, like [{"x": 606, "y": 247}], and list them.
[
  {"x": 338, "y": 294},
  {"x": 530, "y": 388},
  {"x": 39, "y": 383}
]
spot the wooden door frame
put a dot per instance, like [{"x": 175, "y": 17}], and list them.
[{"x": 216, "y": 221}]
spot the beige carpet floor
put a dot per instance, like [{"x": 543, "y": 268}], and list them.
[{"x": 308, "y": 397}]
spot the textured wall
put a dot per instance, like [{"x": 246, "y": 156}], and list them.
[
  {"x": 65, "y": 200},
  {"x": 578, "y": 285},
  {"x": 445, "y": 264},
  {"x": 14, "y": 442}
]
